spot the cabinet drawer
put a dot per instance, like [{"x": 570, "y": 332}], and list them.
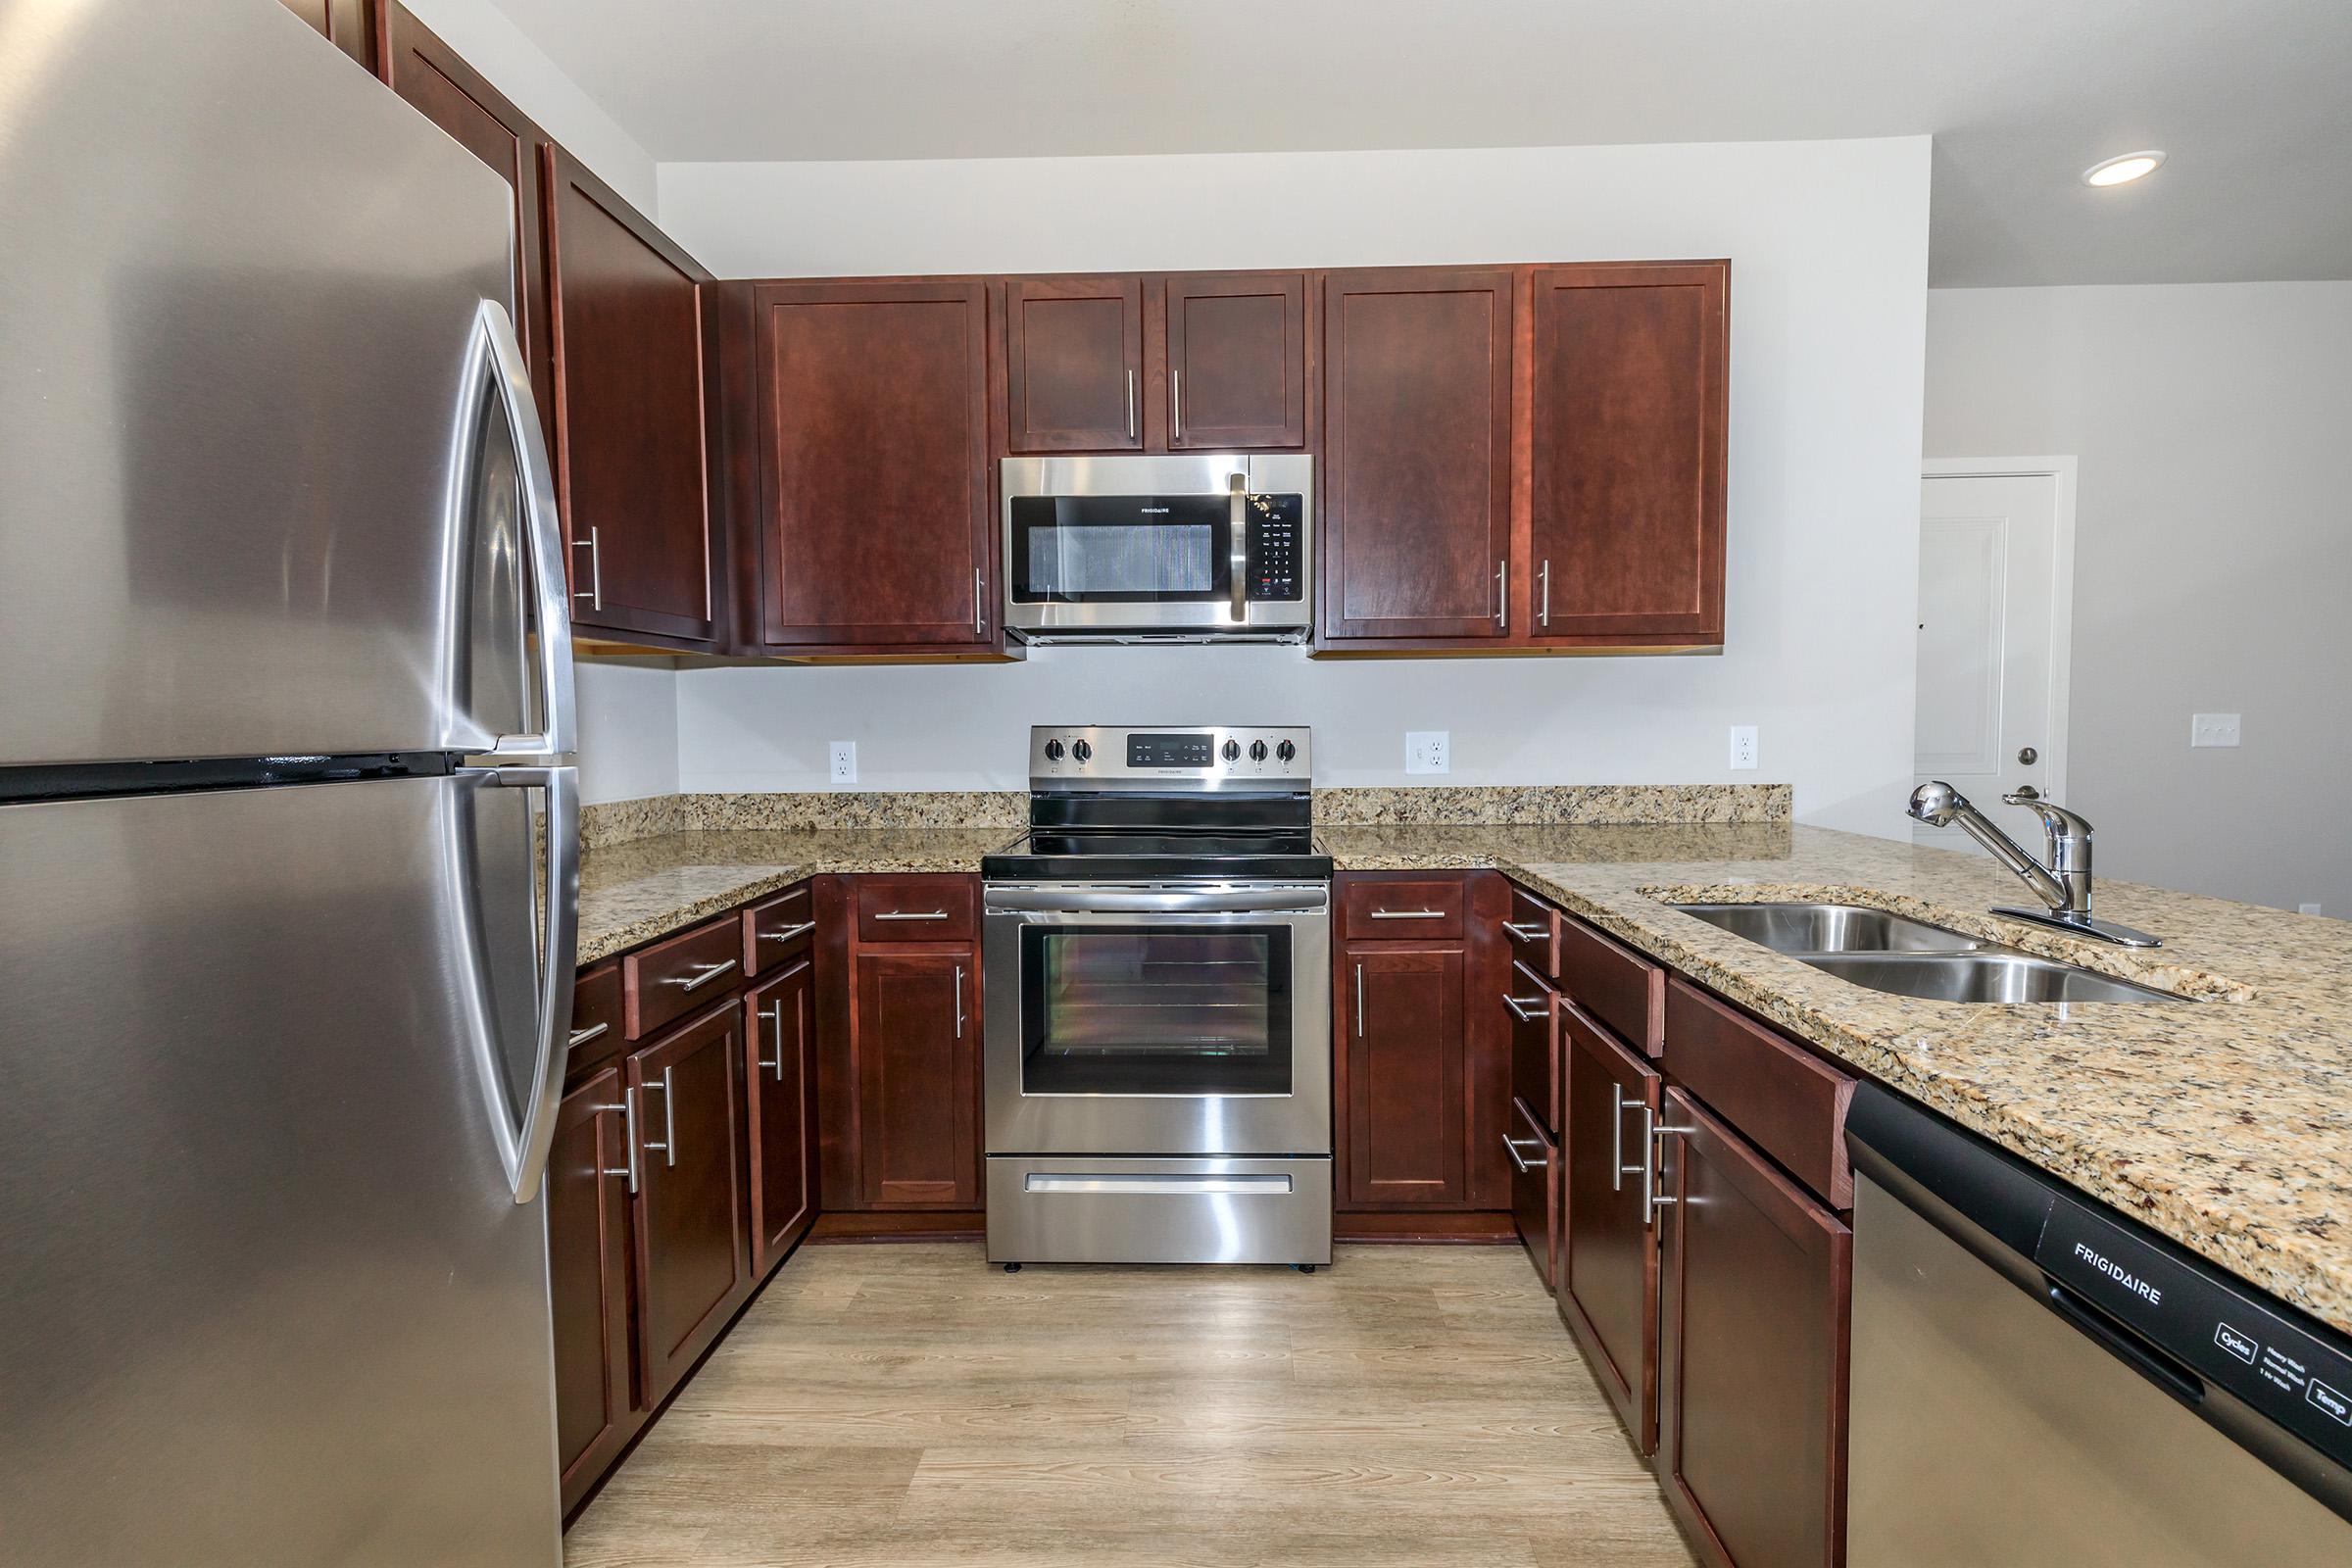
[
  {"x": 1614, "y": 984},
  {"x": 1535, "y": 1156},
  {"x": 1405, "y": 909},
  {"x": 916, "y": 908},
  {"x": 596, "y": 1031},
  {"x": 779, "y": 928},
  {"x": 1534, "y": 1010},
  {"x": 1534, "y": 930},
  {"x": 1786, "y": 1101},
  {"x": 690, "y": 970}
]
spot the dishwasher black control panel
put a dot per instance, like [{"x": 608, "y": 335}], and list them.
[{"x": 2191, "y": 1316}]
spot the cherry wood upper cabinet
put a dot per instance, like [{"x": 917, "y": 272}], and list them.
[
  {"x": 624, "y": 303},
  {"x": 453, "y": 95},
  {"x": 343, "y": 23},
  {"x": 1416, "y": 478},
  {"x": 1237, "y": 361},
  {"x": 1074, "y": 364},
  {"x": 872, "y": 436},
  {"x": 1626, "y": 453}
]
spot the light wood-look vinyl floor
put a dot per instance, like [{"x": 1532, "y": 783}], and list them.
[{"x": 902, "y": 1406}]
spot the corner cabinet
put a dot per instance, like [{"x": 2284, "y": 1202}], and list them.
[
  {"x": 873, "y": 527},
  {"x": 625, "y": 307}
]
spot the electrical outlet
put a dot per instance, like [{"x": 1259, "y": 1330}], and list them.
[
  {"x": 843, "y": 767},
  {"x": 1744, "y": 746},
  {"x": 2308, "y": 908},
  {"x": 2212, "y": 729},
  {"x": 1428, "y": 751}
]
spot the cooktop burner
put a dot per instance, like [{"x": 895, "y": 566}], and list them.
[{"x": 1119, "y": 855}]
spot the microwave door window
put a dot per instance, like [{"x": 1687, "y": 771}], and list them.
[
  {"x": 1118, "y": 549},
  {"x": 1144, "y": 1010}
]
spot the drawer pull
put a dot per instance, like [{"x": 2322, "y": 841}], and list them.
[
  {"x": 581, "y": 1037},
  {"x": 1527, "y": 1010},
  {"x": 1653, "y": 1163},
  {"x": 1510, "y": 1146},
  {"x": 959, "y": 1002},
  {"x": 629, "y": 1136},
  {"x": 916, "y": 914},
  {"x": 710, "y": 973},
  {"x": 1619, "y": 1170},
  {"x": 1527, "y": 933},
  {"x": 788, "y": 933},
  {"x": 1408, "y": 914}
]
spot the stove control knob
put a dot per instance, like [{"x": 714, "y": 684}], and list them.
[
  {"x": 1285, "y": 751},
  {"x": 1230, "y": 750},
  {"x": 1081, "y": 750},
  {"x": 1257, "y": 750},
  {"x": 1053, "y": 751}
]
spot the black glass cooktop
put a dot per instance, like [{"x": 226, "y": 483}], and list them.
[{"x": 1138, "y": 855}]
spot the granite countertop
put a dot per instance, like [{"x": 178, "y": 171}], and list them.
[
  {"x": 2224, "y": 1122},
  {"x": 633, "y": 892}
]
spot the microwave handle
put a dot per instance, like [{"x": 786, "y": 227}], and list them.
[{"x": 1237, "y": 546}]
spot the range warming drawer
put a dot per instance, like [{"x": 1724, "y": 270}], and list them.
[{"x": 1057, "y": 1208}]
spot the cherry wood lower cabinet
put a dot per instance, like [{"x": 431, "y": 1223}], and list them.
[
  {"x": 1753, "y": 1396},
  {"x": 899, "y": 1038},
  {"x": 1607, "y": 1284},
  {"x": 588, "y": 1280},
  {"x": 1421, "y": 1076},
  {"x": 780, "y": 1063}
]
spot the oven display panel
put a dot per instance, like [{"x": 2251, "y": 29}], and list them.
[{"x": 1171, "y": 751}]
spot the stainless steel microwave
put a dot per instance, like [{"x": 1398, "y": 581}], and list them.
[{"x": 1190, "y": 548}]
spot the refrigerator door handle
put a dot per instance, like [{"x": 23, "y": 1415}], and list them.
[
  {"x": 499, "y": 359},
  {"x": 523, "y": 1140}
]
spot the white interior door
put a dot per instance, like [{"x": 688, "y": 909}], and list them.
[{"x": 1993, "y": 612}]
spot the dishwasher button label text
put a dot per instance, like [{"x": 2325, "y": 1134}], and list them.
[
  {"x": 2328, "y": 1399},
  {"x": 2241, "y": 1346}
]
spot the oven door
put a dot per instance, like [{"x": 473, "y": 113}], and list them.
[
  {"x": 1157, "y": 1019},
  {"x": 1200, "y": 543}
]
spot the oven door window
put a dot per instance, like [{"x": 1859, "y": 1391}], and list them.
[
  {"x": 1154, "y": 1011},
  {"x": 1120, "y": 550}
]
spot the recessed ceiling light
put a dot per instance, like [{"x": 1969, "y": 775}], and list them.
[{"x": 2123, "y": 169}]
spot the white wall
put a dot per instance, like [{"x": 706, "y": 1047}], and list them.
[
  {"x": 1828, "y": 243},
  {"x": 629, "y": 712},
  {"x": 494, "y": 46},
  {"x": 2213, "y": 565}
]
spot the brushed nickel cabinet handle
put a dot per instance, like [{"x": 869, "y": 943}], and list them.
[
  {"x": 1359, "y": 1001},
  {"x": 979, "y": 604},
  {"x": 596, "y": 570},
  {"x": 1130, "y": 405},
  {"x": 788, "y": 933},
  {"x": 1176, "y": 401},
  {"x": 670, "y": 1121},
  {"x": 581, "y": 1037},
  {"x": 1527, "y": 1010},
  {"x": 958, "y": 1003},
  {"x": 1510, "y": 1146},
  {"x": 1543, "y": 603},
  {"x": 1527, "y": 933},
  {"x": 1408, "y": 914},
  {"x": 1653, "y": 1163},
  {"x": 629, "y": 1136},
  {"x": 1502, "y": 596},
  {"x": 916, "y": 914},
  {"x": 774, "y": 1016},
  {"x": 708, "y": 974}
]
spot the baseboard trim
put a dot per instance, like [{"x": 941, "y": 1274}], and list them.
[{"x": 1475, "y": 1228}]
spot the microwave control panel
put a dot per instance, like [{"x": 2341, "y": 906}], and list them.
[{"x": 1274, "y": 564}]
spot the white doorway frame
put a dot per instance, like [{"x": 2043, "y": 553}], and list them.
[{"x": 2062, "y": 583}]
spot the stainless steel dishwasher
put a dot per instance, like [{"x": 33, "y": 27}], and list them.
[{"x": 2038, "y": 1379}]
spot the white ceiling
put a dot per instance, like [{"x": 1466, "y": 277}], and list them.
[{"x": 2252, "y": 98}]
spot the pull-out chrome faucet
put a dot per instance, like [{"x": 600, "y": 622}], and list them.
[{"x": 2063, "y": 884}]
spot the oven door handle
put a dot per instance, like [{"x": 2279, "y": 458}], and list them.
[{"x": 1313, "y": 899}]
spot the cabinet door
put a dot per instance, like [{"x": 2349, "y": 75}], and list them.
[
  {"x": 1758, "y": 1285},
  {"x": 1627, "y": 450},
  {"x": 781, "y": 1067},
  {"x": 588, "y": 1279},
  {"x": 1608, "y": 1275},
  {"x": 692, "y": 1259},
  {"x": 1404, "y": 1079},
  {"x": 453, "y": 95},
  {"x": 1237, "y": 362},
  {"x": 1074, "y": 364},
  {"x": 875, "y": 464},
  {"x": 341, "y": 23},
  {"x": 1417, "y": 443},
  {"x": 1534, "y": 1158},
  {"x": 626, "y": 311},
  {"x": 916, "y": 1040}
]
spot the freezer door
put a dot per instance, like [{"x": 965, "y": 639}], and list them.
[
  {"x": 268, "y": 1296},
  {"x": 250, "y": 500}
]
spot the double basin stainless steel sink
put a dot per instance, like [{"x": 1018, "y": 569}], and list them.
[{"x": 1907, "y": 957}]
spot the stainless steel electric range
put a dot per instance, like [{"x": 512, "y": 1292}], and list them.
[{"x": 1156, "y": 953}]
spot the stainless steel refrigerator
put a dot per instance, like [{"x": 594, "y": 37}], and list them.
[{"x": 288, "y": 825}]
